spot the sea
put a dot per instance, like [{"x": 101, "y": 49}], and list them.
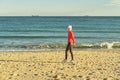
[{"x": 34, "y": 33}]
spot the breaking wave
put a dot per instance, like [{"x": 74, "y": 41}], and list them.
[{"x": 104, "y": 45}]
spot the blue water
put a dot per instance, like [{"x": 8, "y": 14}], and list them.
[{"x": 20, "y": 31}]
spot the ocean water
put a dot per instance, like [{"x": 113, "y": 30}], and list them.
[{"x": 50, "y": 32}]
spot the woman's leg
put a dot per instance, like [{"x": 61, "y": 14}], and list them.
[
  {"x": 71, "y": 46},
  {"x": 67, "y": 48}
]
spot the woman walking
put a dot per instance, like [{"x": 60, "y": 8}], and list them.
[{"x": 71, "y": 43}]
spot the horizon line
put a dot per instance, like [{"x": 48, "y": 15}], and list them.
[{"x": 58, "y": 15}]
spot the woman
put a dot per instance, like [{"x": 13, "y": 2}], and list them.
[{"x": 71, "y": 43}]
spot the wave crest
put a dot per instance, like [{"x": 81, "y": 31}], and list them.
[{"x": 104, "y": 45}]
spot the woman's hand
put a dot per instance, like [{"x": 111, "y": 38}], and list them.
[{"x": 74, "y": 45}]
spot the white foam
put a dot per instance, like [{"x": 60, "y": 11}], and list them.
[{"x": 108, "y": 45}]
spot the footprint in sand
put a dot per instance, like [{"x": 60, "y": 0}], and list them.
[
  {"x": 25, "y": 73},
  {"x": 104, "y": 78},
  {"x": 18, "y": 74},
  {"x": 10, "y": 77},
  {"x": 90, "y": 74},
  {"x": 11, "y": 74},
  {"x": 80, "y": 76},
  {"x": 35, "y": 74},
  {"x": 87, "y": 78}
]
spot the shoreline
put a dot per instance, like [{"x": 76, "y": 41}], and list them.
[
  {"x": 40, "y": 47},
  {"x": 49, "y": 50}
]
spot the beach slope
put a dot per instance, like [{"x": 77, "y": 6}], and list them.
[{"x": 47, "y": 65}]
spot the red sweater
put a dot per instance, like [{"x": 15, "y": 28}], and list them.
[{"x": 71, "y": 37}]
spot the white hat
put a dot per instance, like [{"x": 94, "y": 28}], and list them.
[{"x": 70, "y": 27}]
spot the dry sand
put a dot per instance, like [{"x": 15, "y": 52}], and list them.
[{"x": 89, "y": 65}]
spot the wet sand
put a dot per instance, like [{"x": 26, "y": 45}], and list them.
[{"x": 47, "y": 65}]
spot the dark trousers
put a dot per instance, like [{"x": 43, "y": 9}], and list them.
[{"x": 69, "y": 47}]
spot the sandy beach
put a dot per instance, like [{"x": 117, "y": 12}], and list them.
[{"x": 47, "y": 65}]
